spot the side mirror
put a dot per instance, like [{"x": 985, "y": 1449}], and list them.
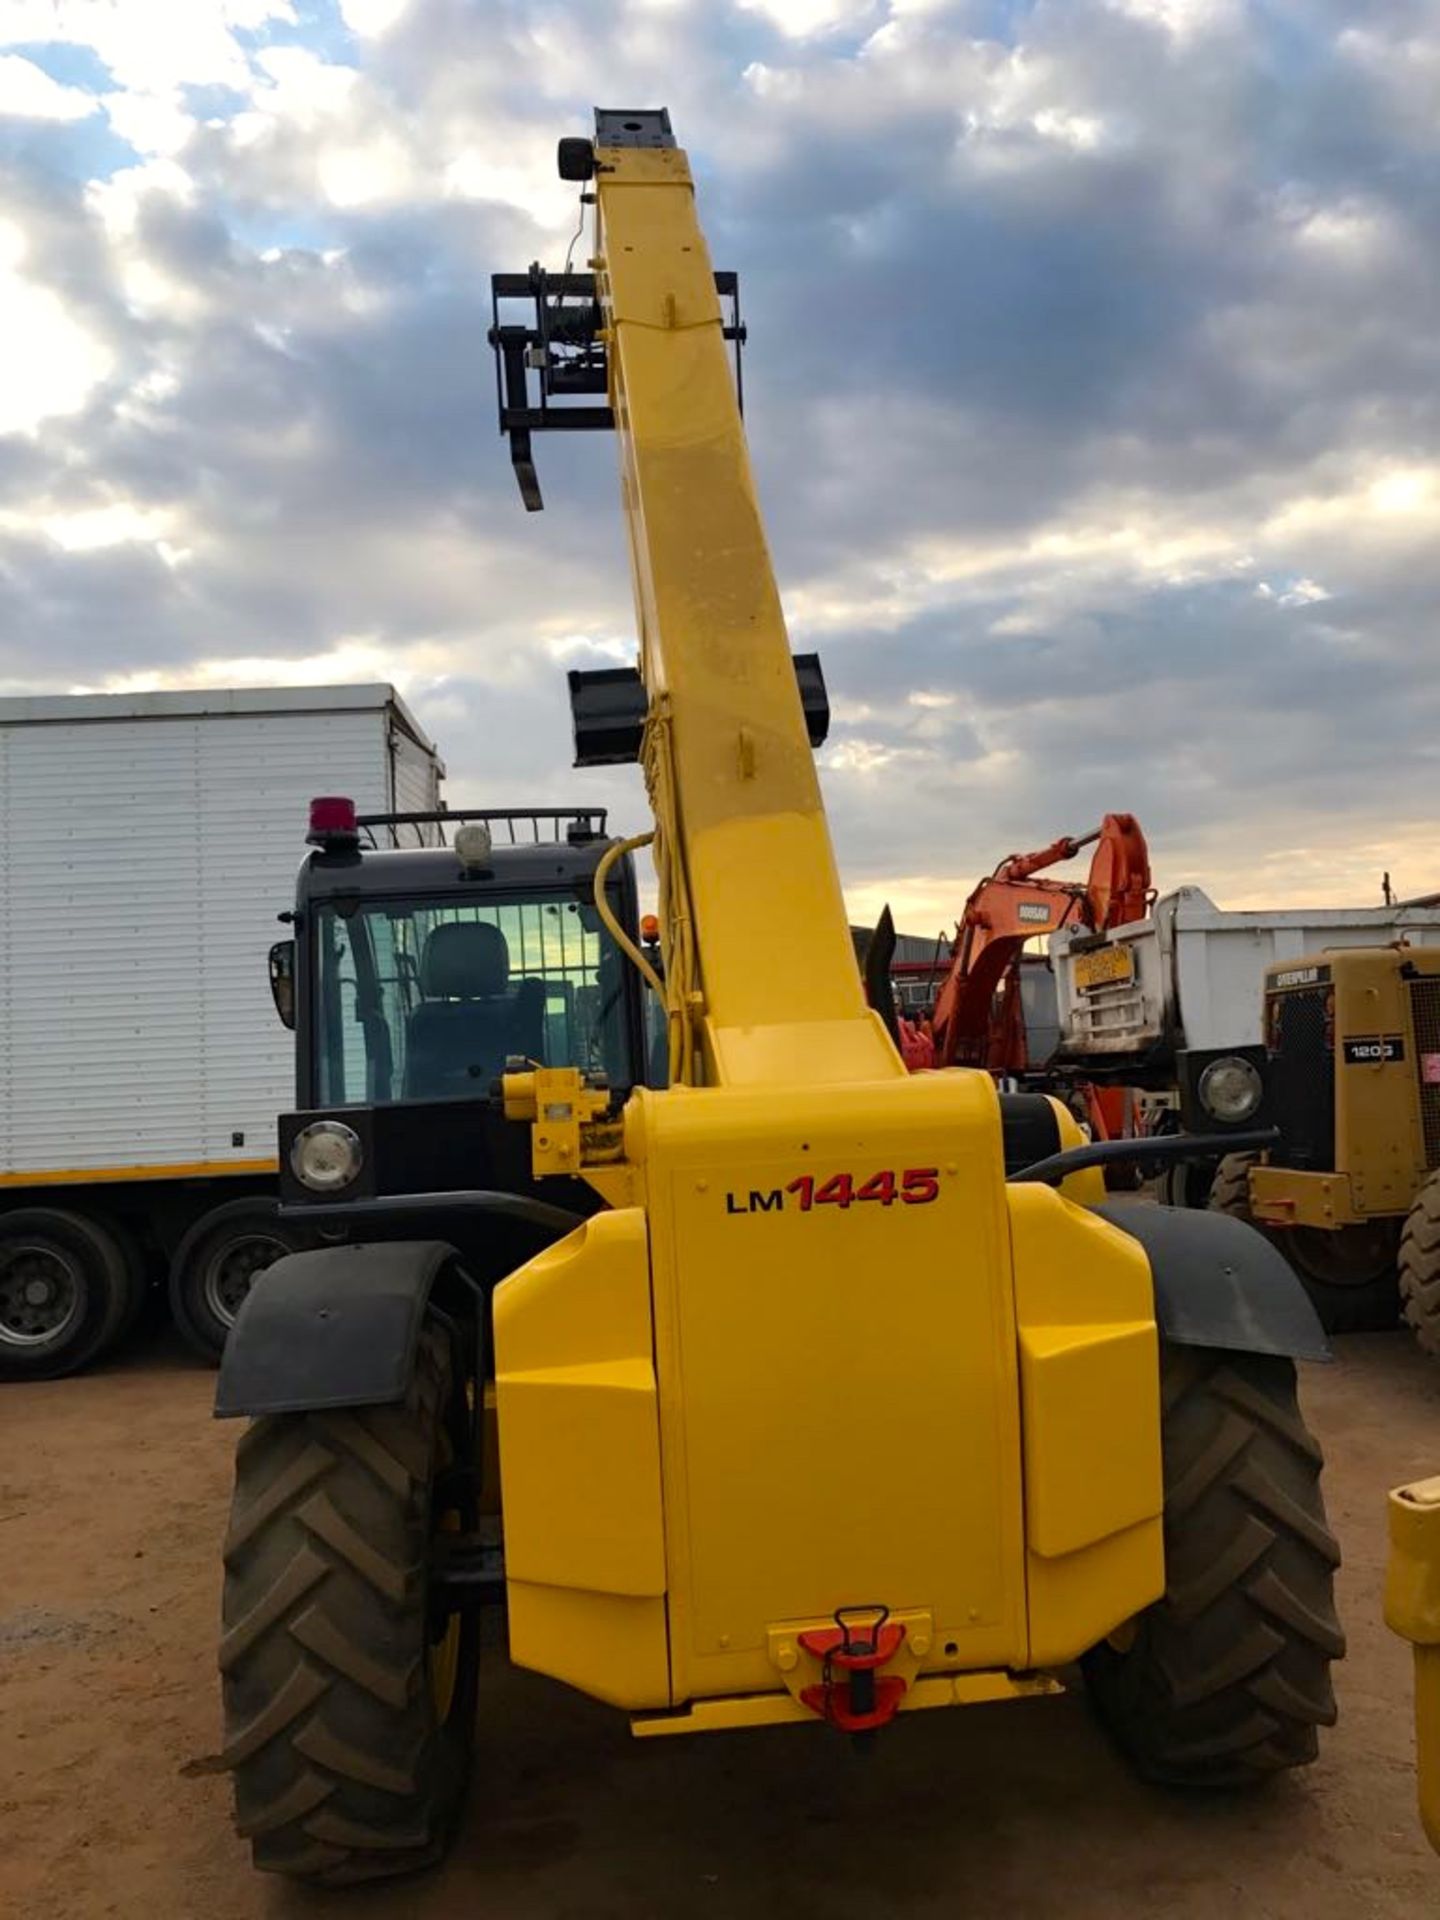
[{"x": 282, "y": 980}]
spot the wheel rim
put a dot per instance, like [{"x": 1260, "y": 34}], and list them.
[
  {"x": 230, "y": 1272},
  {"x": 1353, "y": 1257},
  {"x": 42, "y": 1294}
]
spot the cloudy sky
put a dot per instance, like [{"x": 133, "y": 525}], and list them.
[{"x": 1093, "y": 389}]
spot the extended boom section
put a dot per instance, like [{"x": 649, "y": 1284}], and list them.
[{"x": 743, "y": 840}]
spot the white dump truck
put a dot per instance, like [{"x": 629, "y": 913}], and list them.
[
  {"x": 147, "y": 844},
  {"x": 1188, "y": 976},
  {"x": 1161, "y": 1002}
]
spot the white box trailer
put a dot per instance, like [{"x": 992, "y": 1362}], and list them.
[
  {"x": 1189, "y": 976},
  {"x": 148, "y": 843}
]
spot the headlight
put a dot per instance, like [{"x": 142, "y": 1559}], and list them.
[
  {"x": 326, "y": 1155},
  {"x": 1230, "y": 1089}
]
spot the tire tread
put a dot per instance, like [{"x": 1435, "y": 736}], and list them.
[
  {"x": 1227, "y": 1677},
  {"x": 1420, "y": 1267},
  {"x": 341, "y": 1773}
]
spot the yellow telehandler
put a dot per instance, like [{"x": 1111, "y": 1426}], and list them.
[{"x": 846, "y": 1394}]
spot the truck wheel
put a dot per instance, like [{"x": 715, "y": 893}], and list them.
[
  {"x": 64, "y": 1292},
  {"x": 137, "y": 1264},
  {"x": 1188, "y": 1183},
  {"x": 1420, "y": 1267},
  {"x": 1349, "y": 1275},
  {"x": 1227, "y": 1677},
  {"x": 215, "y": 1264},
  {"x": 349, "y": 1696}
]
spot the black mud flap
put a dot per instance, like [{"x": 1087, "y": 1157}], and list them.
[
  {"x": 1219, "y": 1283},
  {"x": 334, "y": 1328}
]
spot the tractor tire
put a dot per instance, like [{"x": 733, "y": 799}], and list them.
[
  {"x": 1420, "y": 1267},
  {"x": 349, "y": 1699},
  {"x": 215, "y": 1263},
  {"x": 65, "y": 1292},
  {"x": 1230, "y": 1188},
  {"x": 1226, "y": 1679},
  {"x": 1349, "y": 1276}
]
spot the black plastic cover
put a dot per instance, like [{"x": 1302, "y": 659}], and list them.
[
  {"x": 1031, "y": 1129},
  {"x": 1220, "y": 1283},
  {"x": 607, "y": 709},
  {"x": 334, "y": 1328}
]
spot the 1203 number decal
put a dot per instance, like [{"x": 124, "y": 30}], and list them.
[{"x": 915, "y": 1187}]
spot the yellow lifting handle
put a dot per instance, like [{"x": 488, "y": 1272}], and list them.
[{"x": 1412, "y": 1609}]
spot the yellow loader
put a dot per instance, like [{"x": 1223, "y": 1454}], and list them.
[{"x": 849, "y": 1396}]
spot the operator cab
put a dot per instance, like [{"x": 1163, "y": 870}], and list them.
[{"x": 415, "y": 975}]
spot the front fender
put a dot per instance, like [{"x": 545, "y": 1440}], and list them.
[
  {"x": 1220, "y": 1283},
  {"x": 336, "y": 1327}
]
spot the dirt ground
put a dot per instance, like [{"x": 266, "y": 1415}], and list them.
[{"x": 113, "y": 1494}]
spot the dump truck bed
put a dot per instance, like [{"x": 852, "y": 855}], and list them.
[{"x": 1190, "y": 974}]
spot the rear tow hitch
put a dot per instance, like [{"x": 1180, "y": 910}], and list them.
[{"x": 853, "y": 1694}]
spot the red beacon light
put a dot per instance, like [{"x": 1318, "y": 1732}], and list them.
[{"x": 332, "y": 823}]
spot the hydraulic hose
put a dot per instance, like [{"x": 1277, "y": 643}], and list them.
[{"x": 612, "y": 926}]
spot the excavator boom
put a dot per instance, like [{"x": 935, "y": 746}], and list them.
[{"x": 978, "y": 1019}]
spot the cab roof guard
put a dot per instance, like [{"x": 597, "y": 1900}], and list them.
[{"x": 579, "y": 823}]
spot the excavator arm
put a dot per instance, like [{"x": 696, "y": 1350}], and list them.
[{"x": 978, "y": 1018}]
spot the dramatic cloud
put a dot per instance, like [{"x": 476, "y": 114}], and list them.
[{"x": 1093, "y": 389}]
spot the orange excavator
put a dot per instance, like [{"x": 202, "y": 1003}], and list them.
[{"x": 979, "y": 1018}]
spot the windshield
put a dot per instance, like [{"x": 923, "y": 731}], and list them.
[{"x": 427, "y": 999}]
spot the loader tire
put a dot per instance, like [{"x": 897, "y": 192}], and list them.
[
  {"x": 349, "y": 1702},
  {"x": 1349, "y": 1276},
  {"x": 1420, "y": 1268},
  {"x": 1226, "y": 1679},
  {"x": 1230, "y": 1188}
]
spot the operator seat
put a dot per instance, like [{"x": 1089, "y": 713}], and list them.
[{"x": 469, "y": 1022}]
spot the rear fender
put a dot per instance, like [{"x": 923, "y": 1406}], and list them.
[
  {"x": 337, "y": 1327},
  {"x": 1220, "y": 1283}
]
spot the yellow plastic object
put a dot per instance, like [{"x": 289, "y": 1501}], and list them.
[
  {"x": 1412, "y": 1609},
  {"x": 580, "y": 1463},
  {"x": 1090, "y": 1397}
]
